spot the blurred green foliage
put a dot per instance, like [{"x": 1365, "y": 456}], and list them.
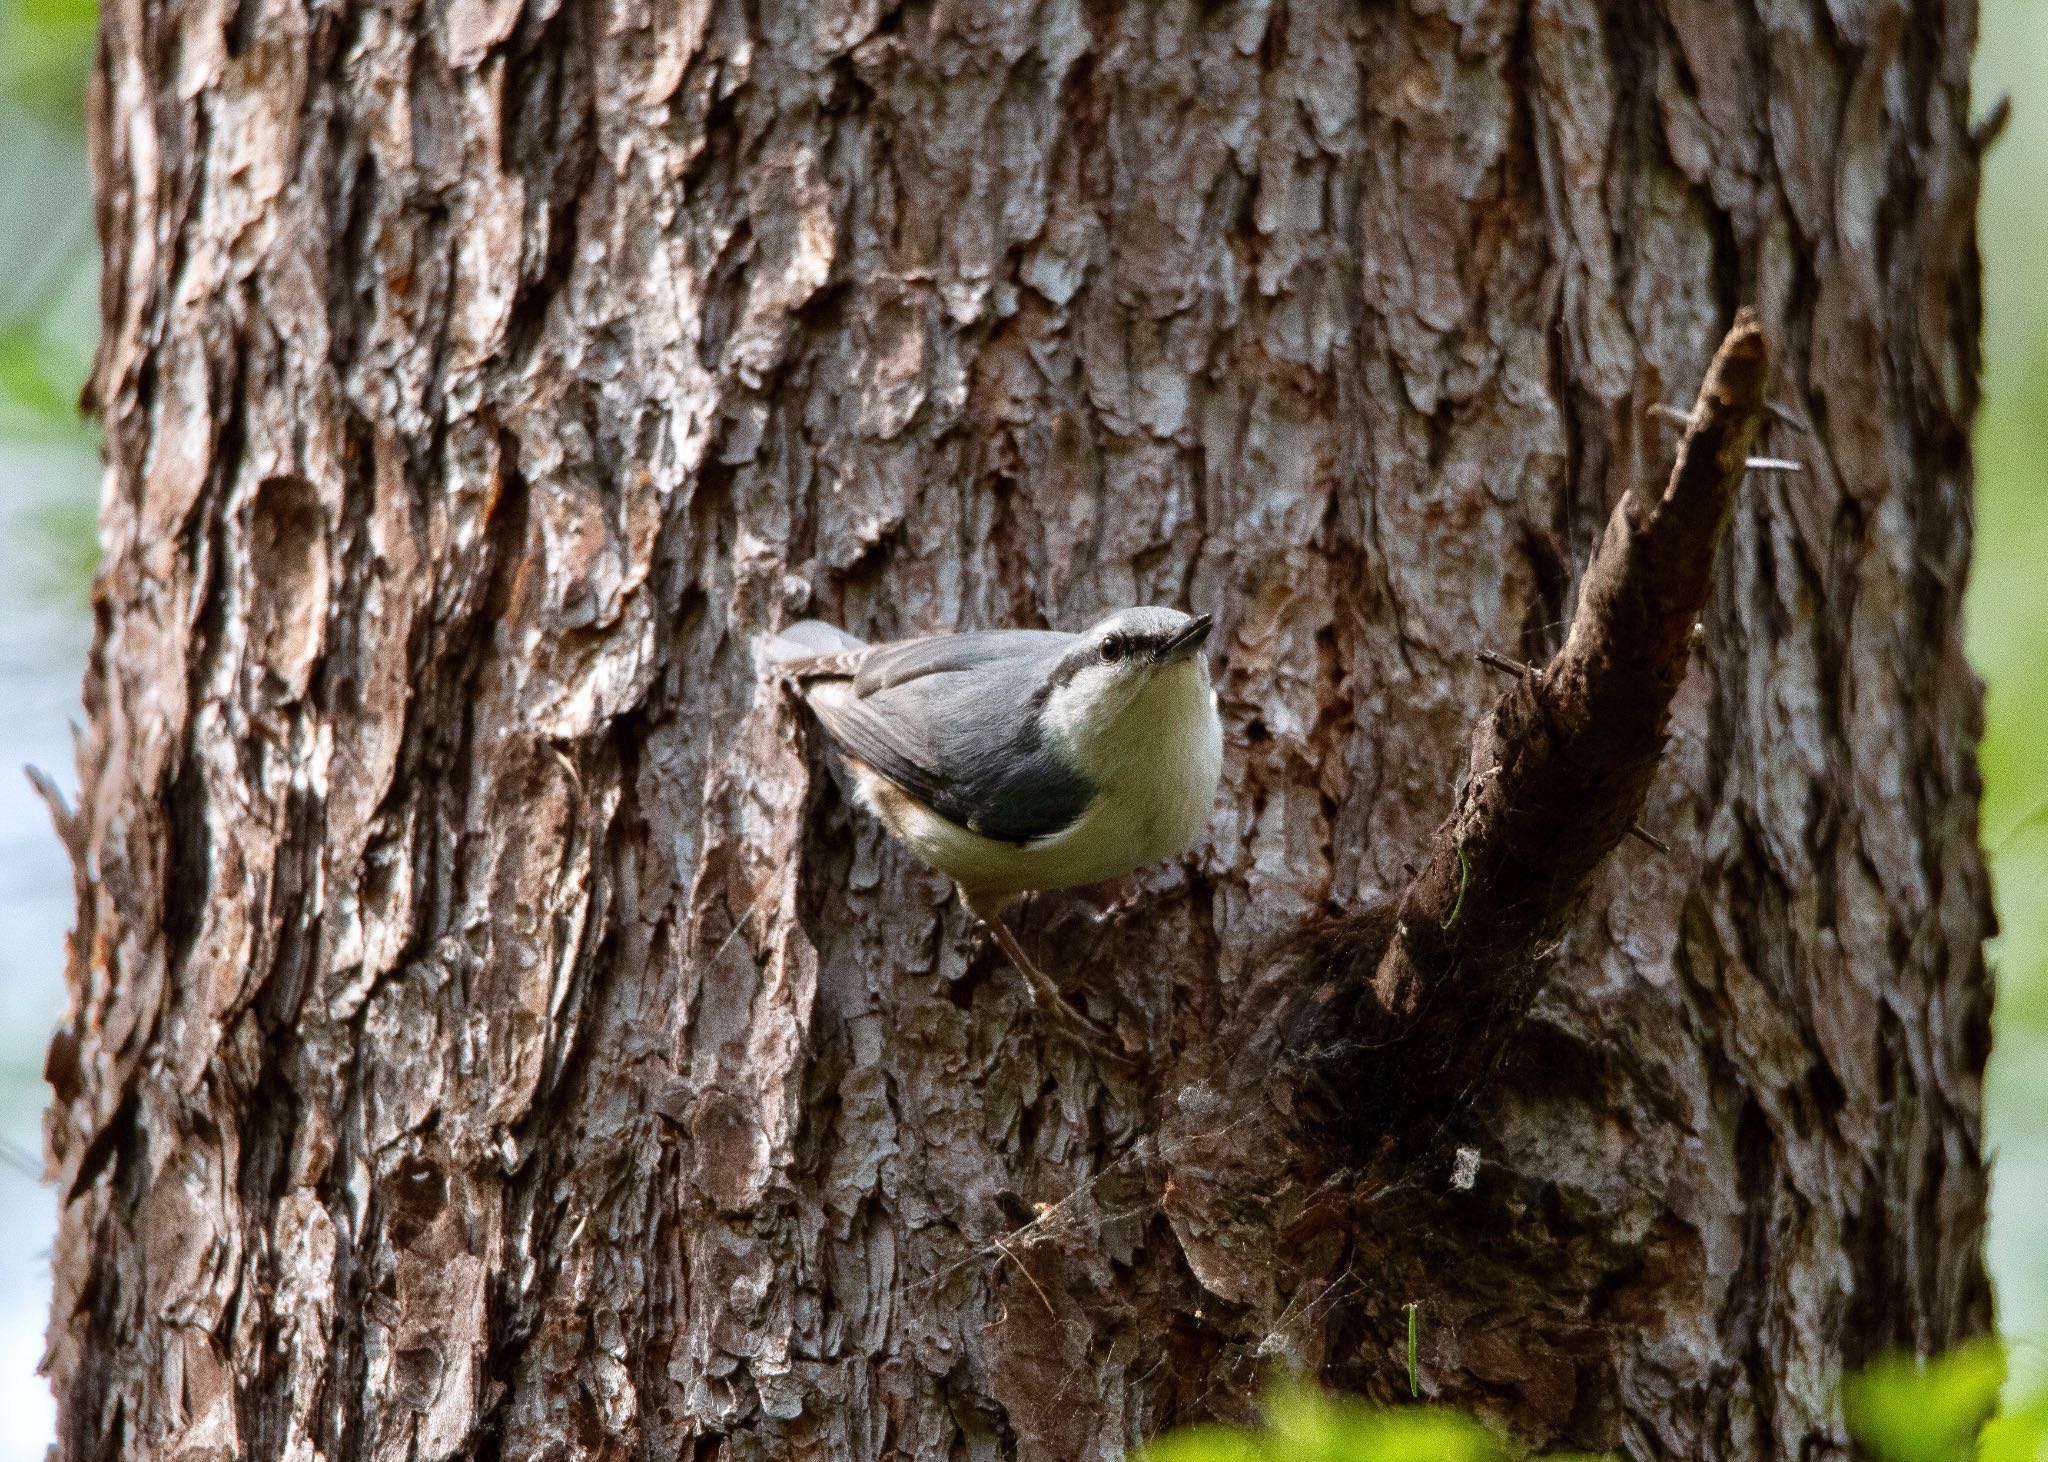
[
  {"x": 1900, "y": 1409},
  {"x": 46, "y": 56},
  {"x": 2007, "y": 628},
  {"x": 48, "y": 315},
  {"x": 1300, "y": 1424},
  {"x": 66, "y": 531},
  {"x": 1905, "y": 1410}
]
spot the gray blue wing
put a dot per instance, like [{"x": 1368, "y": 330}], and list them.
[
  {"x": 884, "y": 667},
  {"x": 956, "y": 726}
]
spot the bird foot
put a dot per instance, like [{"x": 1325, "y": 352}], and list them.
[
  {"x": 1123, "y": 906},
  {"x": 1063, "y": 1020},
  {"x": 1058, "y": 1013}
]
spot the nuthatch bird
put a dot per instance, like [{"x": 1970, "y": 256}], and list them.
[{"x": 1019, "y": 760}]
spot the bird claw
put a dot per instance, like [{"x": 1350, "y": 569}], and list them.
[
  {"x": 1065, "y": 1021},
  {"x": 1122, "y": 906},
  {"x": 1046, "y": 1000}
]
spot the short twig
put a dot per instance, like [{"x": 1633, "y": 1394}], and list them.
[
  {"x": 1790, "y": 417},
  {"x": 1985, "y": 133},
  {"x": 1497, "y": 661},
  {"x": 1678, "y": 416},
  {"x": 1643, "y": 835},
  {"x": 1009, "y": 1254}
]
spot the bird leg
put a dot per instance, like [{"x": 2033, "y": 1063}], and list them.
[
  {"x": 1043, "y": 991},
  {"x": 1046, "y": 998}
]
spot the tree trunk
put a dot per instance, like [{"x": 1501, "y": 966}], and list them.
[{"x": 491, "y": 1033}]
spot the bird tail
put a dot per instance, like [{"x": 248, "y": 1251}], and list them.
[
  {"x": 812, "y": 650},
  {"x": 812, "y": 647}
]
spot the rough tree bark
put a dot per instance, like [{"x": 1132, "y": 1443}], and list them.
[{"x": 490, "y": 1034}]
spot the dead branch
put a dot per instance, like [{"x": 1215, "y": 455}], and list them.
[{"x": 1407, "y": 1011}]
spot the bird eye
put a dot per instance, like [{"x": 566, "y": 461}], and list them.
[{"x": 1112, "y": 649}]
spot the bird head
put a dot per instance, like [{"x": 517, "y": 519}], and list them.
[{"x": 1110, "y": 666}]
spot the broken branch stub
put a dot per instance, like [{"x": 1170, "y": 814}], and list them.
[{"x": 1403, "y": 1023}]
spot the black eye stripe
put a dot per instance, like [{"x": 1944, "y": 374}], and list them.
[{"x": 1115, "y": 647}]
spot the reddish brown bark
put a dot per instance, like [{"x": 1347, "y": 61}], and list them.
[{"x": 490, "y": 1034}]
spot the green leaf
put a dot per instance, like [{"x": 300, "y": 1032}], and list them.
[
  {"x": 1415, "y": 1435},
  {"x": 1906, "y": 1411},
  {"x": 26, "y": 378},
  {"x": 60, "y": 12},
  {"x": 46, "y": 49},
  {"x": 1209, "y": 1443},
  {"x": 68, "y": 552},
  {"x": 1464, "y": 877},
  {"x": 2017, "y": 1436},
  {"x": 1310, "y": 1427},
  {"x": 1414, "y": 1382}
]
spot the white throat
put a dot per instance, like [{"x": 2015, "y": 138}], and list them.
[
  {"x": 1108, "y": 717},
  {"x": 1151, "y": 742}
]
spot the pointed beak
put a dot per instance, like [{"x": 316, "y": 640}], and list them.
[{"x": 1187, "y": 641}]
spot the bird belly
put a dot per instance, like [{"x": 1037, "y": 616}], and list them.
[{"x": 985, "y": 868}]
